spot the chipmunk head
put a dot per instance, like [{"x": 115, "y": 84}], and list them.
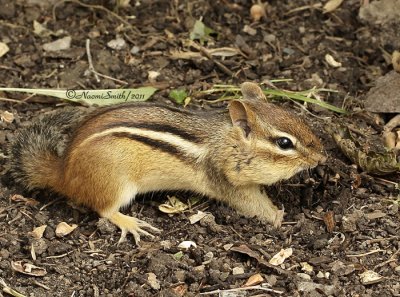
[{"x": 271, "y": 144}]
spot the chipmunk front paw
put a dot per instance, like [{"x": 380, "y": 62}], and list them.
[
  {"x": 131, "y": 225},
  {"x": 278, "y": 218}
]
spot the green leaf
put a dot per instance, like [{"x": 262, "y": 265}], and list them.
[
  {"x": 99, "y": 97},
  {"x": 178, "y": 95},
  {"x": 200, "y": 32},
  {"x": 178, "y": 256}
]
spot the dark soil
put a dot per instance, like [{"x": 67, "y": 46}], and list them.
[{"x": 287, "y": 43}]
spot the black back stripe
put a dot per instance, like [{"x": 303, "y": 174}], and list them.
[
  {"x": 158, "y": 128},
  {"x": 157, "y": 144}
]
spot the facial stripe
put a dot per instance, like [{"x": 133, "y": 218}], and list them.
[{"x": 182, "y": 145}]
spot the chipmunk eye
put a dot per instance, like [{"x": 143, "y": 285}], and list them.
[{"x": 284, "y": 143}]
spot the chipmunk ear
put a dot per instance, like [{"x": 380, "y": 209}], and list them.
[
  {"x": 239, "y": 117},
  {"x": 252, "y": 92},
  {"x": 241, "y": 112}
]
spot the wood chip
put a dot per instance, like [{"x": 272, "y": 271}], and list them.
[{"x": 331, "y": 5}]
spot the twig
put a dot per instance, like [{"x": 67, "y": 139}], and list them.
[
  {"x": 99, "y": 7},
  {"x": 260, "y": 287},
  {"x": 89, "y": 56},
  {"x": 50, "y": 203},
  {"x": 41, "y": 285},
  {"x": 11, "y": 100},
  {"x": 205, "y": 53},
  {"x": 91, "y": 67},
  {"x": 391, "y": 259},
  {"x": 366, "y": 254},
  {"x": 8, "y": 290},
  {"x": 59, "y": 256}
]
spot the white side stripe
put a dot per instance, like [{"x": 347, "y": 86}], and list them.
[{"x": 172, "y": 139}]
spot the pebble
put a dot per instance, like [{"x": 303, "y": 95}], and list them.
[{"x": 237, "y": 270}]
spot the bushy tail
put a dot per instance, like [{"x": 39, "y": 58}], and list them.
[{"x": 35, "y": 154}]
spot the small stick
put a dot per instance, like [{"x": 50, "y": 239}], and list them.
[
  {"x": 41, "y": 285},
  {"x": 59, "y": 256},
  {"x": 100, "y": 7},
  {"x": 205, "y": 53},
  {"x": 8, "y": 290},
  {"x": 91, "y": 67},
  {"x": 391, "y": 259},
  {"x": 366, "y": 254},
  {"x": 11, "y": 100},
  {"x": 243, "y": 289},
  {"x": 89, "y": 56}
]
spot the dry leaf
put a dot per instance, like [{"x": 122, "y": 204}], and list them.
[
  {"x": 332, "y": 62},
  {"x": 244, "y": 249},
  {"x": 63, "y": 229},
  {"x": 180, "y": 290},
  {"x": 197, "y": 217},
  {"x": 372, "y": 162},
  {"x": 174, "y": 205},
  {"x": 219, "y": 52},
  {"x": 37, "y": 233},
  {"x": 123, "y": 3},
  {"x": 153, "y": 281},
  {"x": 27, "y": 268},
  {"x": 306, "y": 267},
  {"x": 280, "y": 257},
  {"x": 27, "y": 201},
  {"x": 41, "y": 30},
  {"x": 329, "y": 220},
  {"x": 375, "y": 215},
  {"x": 331, "y": 5},
  {"x": 224, "y": 52},
  {"x": 152, "y": 76},
  {"x": 187, "y": 244},
  {"x": 370, "y": 277},
  {"x": 396, "y": 61},
  {"x": 177, "y": 54},
  {"x": 257, "y": 11},
  {"x": 254, "y": 280},
  {"x": 33, "y": 252},
  {"x": 389, "y": 138},
  {"x": 3, "y": 49},
  {"x": 7, "y": 116}
]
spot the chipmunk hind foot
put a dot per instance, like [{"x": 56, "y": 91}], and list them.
[{"x": 132, "y": 225}]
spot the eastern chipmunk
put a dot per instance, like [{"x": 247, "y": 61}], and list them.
[{"x": 119, "y": 151}]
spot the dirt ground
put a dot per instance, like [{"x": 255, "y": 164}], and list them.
[{"x": 290, "y": 42}]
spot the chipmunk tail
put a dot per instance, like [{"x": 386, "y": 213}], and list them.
[{"x": 35, "y": 155}]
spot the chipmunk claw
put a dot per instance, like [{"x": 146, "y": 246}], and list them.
[
  {"x": 278, "y": 218},
  {"x": 131, "y": 225}
]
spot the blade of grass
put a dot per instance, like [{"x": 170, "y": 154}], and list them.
[
  {"x": 278, "y": 94},
  {"x": 100, "y": 97}
]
